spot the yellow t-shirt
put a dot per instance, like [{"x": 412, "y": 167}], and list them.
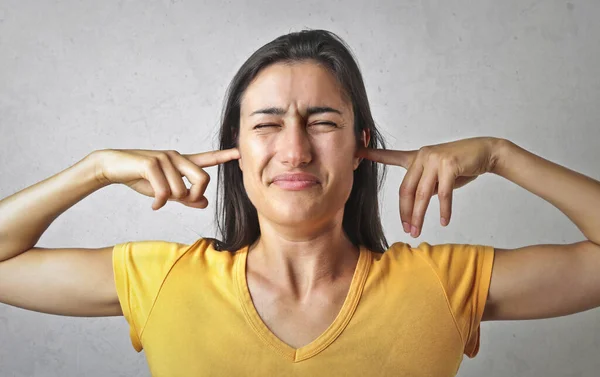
[{"x": 409, "y": 312}]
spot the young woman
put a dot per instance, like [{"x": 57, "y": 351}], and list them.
[{"x": 303, "y": 281}]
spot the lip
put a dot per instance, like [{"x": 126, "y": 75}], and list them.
[
  {"x": 295, "y": 181},
  {"x": 294, "y": 177}
]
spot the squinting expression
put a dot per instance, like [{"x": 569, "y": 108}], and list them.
[{"x": 297, "y": 144}]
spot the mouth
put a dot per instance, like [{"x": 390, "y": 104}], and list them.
[{"x": 295, "y": 181}]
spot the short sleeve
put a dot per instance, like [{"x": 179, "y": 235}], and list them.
[
  {"x": 465, "y": 272},
  {"x": 139, "y": 269}
]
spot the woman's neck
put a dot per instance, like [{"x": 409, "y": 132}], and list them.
[{"x": 302, "y": 263}]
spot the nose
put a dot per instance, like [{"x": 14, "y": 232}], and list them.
[{"x": 294, "y": 146}]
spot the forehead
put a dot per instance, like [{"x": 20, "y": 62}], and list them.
[{"x": 299, "y": 84}]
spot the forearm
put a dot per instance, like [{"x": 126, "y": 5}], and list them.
[
  {"x": 575, "y": 194},
  {"x": 25, "y": 215}
]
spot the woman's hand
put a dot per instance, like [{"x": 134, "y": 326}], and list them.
[
  {"x": 435, "y": 169},
  {"x": 159, "y": 174}
]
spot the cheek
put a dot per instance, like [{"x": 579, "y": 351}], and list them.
[
  {"x": 338, "y": 152},
  {"x": 254, "y": 156}
]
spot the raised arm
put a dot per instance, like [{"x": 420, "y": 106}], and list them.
[
  {"x": 548, "y": 280},
  {"x": 77, "y": 281},
  {"x": 537, "y": 281},
  {"x": 58, "y": 281}
]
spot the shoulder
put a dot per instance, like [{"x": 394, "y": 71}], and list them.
[
  {"x": 436, "y": 251},
  {"x": 158, "y": 254},
  {"x": 443, "y": 258}
]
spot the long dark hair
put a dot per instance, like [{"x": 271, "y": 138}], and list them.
[{"x": 236, "y": 216}]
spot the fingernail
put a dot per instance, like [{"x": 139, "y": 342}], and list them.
[
  {"x": 413, "y": 231},
  {"x": 443, "y": 221},
  {"x": 406, "y": 227}
]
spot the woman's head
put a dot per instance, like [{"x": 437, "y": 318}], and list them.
[{"x": 299, "y": 105}]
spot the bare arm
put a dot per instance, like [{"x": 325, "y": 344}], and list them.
[
  {"x": 541, "y": 281},
  {"x": 536, "y": 281},
  {"x": 73, "y": 282},
  {"x": 77, "y": 281},
  {"x": 58, "y": 281},
  {"x": 544, "y": 281},
  {"x": 26, "y": 215}
]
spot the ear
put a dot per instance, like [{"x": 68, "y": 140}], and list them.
[
  {"x": 365, "y": 139},
  {"x": 366, "y": 136}
]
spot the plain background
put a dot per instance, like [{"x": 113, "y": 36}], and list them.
[{"x": 76, "y": 76}]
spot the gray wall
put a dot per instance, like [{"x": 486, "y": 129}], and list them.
[{"x": 76, "y": 76}]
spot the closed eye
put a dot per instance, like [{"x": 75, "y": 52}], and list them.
[
  {"x": 325, "y": 123},
  {"x": 259, "y": 126}
]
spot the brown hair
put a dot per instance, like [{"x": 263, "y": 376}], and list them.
[{"x": 236, "y": 216}]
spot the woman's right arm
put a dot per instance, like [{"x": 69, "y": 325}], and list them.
[
  {"x": 75, "y": 282},
  {"x": 78, "y": 281}
]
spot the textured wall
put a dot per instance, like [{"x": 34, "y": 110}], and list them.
[{"x": 76, "y": 76}]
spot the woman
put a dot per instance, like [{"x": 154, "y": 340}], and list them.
[{"x": 303, "y": 281}]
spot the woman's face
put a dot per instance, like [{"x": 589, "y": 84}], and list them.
[{"x": 294, "y": 119}]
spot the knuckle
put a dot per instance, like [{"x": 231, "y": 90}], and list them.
[
  {"x": 425, "y": 149},
  {"x": 434, "y": 156},
  {"x": 163, "y": 157},
  {"x": 424, "y": 153},
  {"x": 449, "y": 161},
  {"x": 178, "y": 193},
  {"x": 444, "y": 194},
  {"x": 422, "y": 195},
  {"x": 204, "y": 176},
  {"x": 162, "y": 193},
  {"x": 151, "y": 162},
  {"x": 405, "y": 191}
]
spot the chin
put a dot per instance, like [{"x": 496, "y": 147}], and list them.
[{"x": 295, "y": 212}]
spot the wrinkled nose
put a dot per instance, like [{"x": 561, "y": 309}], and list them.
[{"x": 294, "y": 146}]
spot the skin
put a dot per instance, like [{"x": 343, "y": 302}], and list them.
[
  {"x": 302, "y": 248},
  {"x": 303, "y": 256},
  {"x": 303, "y": 251}
]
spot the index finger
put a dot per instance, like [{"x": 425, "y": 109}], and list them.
[
  {"x": 212, "y": 158},
  {"x": 387, "y": 156}
]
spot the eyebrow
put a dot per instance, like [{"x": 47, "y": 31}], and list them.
[{"x": 310, "y": 111}]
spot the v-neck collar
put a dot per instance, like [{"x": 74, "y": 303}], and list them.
[{"x": 324, "y": 339}]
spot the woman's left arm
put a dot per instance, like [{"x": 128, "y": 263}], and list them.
[
  {"x": 576, "y": 195},
  {"x": 542, "y": 281},
  {"x": 537, "y": 281}
]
